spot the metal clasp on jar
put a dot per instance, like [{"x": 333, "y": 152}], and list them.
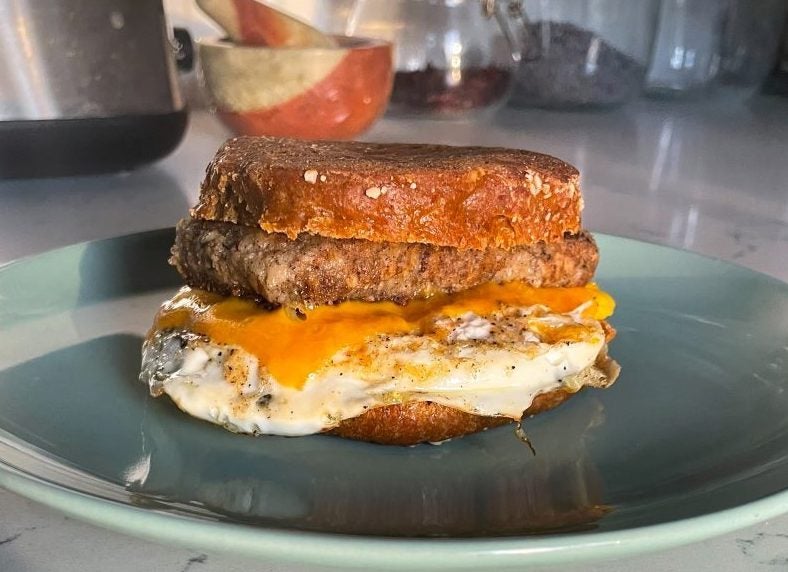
[{"x": 513, "y": 22}]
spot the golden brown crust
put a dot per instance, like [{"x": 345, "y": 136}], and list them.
[
  {"x": 425, "y": 421},
  {"x": 465, "y": 197}
]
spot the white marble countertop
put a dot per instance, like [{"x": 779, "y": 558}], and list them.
[{"x": 701, "y": 176}]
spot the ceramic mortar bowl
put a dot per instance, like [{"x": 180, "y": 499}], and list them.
[{"x": 308, "y": 93}]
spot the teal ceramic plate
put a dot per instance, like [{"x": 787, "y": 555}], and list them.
[{"x": 692, "y": 441}]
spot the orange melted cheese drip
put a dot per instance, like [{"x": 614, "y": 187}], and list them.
[{"x": 291, "y": 348}]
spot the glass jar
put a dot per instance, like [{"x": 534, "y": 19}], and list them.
[
  {"x": 581, "y": 53},
  {"x": 778, "y": 81},
  {"x": 750, "y": 43},
  {"x": 452, "y": 57},
  {"x": 686, "y": 55}
]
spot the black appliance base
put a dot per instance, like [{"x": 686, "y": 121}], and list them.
[{"x": 67, "y": 147}]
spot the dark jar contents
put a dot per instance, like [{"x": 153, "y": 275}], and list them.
[
  {"x": 443, "y": 91},
  {"x": 566, "y": 66}
]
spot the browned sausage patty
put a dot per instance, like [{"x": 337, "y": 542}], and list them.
[{"x": 313, "y": 270}]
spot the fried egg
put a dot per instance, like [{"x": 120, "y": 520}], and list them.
[{"x": 487, "y": 351}]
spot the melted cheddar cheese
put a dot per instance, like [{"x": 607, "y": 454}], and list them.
[{"x": 291, "y": 348}]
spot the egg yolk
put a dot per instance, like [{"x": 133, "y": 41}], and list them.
[{"x": 292, "y": 347}]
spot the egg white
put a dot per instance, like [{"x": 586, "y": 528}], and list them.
[{"x": 487, "y": 365}]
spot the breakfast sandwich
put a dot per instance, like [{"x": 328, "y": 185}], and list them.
[{"x": 391, "y": 293}]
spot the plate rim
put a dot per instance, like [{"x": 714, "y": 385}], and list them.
[
  {"x": 326, "y": 548},
  {"x": 320, "y": 548}
]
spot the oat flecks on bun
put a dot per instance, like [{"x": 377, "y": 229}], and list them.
[{"x": 464, "y": 197}]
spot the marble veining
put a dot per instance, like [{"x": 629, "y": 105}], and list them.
[
  {"x": 755, "y": 547},
  {"x": 10, "y": 539},
  {"x": 194, "y": 561}
]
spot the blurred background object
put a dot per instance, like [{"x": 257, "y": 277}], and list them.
[
  {"x": 452, "y": 57},
  {"x": 273, "y": 74},
  {"x": 91, "y": 86},
  {"x": 686, "y": 55},
  {"x": 584, "y": 53},
  {"x": 778, "y": 81},
  {"x": 750, "y": 42},
  {"x": 308, "y": 92},
  {"x": 712, "y": 47},
  {"x": 459, "y": 59},
  {"x": 258, "y": 24},
  {"x": 87, "y": 86}
]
